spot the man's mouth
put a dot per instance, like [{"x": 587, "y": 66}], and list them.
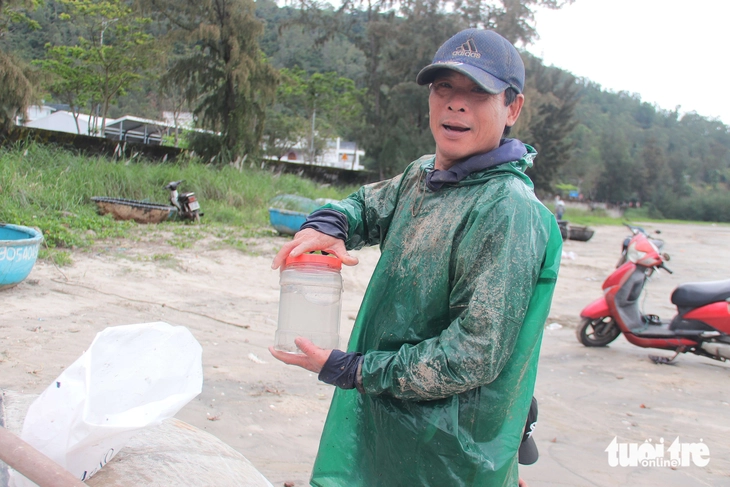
[{"x": 455, "y": 128}]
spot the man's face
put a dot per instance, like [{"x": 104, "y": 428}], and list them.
[{"x": 466, "y": 120}]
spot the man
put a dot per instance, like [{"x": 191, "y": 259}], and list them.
[
  {"x": 439, "y": 376},
  {"x": 559, "y": 207}
]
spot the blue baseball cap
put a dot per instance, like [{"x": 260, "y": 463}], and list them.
[{"x": 484, "y": 56}]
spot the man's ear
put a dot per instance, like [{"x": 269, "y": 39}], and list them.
[{"x": 514, "y": 110}]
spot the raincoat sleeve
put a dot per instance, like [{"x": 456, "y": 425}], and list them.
[
  {"x": 369, "y": 212},
  {"x": 493, "y": 273}
]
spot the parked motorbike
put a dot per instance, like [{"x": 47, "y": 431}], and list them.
[
  {"x": 702, "y": 323},
  {"x": 186, "y": 203},
  {"x": 634, "y": 230}
]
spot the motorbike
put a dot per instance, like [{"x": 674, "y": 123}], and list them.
[
  {"x": 186, "y": 203},
  {"x": 701, "y": 325},
  {"x": 659, "y": 243}
]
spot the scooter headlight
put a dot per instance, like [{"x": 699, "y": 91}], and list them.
[{"x": 635, "y": 255}]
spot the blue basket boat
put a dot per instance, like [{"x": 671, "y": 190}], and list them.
[
  {"x": 286, "y": 222},
  {"x": 18, "y": 253}
]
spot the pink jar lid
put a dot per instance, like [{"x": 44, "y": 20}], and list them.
[{"x": 330, "y": 261}]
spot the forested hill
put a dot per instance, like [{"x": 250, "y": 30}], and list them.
[
  {"x": 625, "y": 149},
  {"x": 352, "y": 74}
]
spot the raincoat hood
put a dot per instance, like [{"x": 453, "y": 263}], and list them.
[{"x": 509, "y": 150}]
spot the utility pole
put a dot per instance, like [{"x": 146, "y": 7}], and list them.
[{"x": 311, "y": 146}]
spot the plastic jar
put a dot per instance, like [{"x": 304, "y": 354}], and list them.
[{"x": 310, "y": 301}]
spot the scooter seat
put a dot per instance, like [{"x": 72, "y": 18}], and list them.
[{"x": 696, "y": 294}]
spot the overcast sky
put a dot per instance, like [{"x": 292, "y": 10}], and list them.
[{"x": 669, "y": 52}]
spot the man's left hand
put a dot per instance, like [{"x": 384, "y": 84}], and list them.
[{"x": 312, "y": 357}]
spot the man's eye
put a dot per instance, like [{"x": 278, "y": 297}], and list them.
[
  {"x": 480, "y": 91},
  {"x": 442, "y": 85}
]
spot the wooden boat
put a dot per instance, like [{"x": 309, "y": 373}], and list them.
[
  {"x": 563, "y": 225},
  {"x": 574, "y": 232},
  {"x": 139, "y": 211},
  {"x": 582, "y": 234}
]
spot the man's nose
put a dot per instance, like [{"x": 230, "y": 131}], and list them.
[{"x": 457, "y": 103}]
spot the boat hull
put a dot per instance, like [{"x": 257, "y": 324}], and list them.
[
  {"x": 18, "y": 253},
  {"x": 286, "y": 222},
  {"x": 139, "y": 211}
]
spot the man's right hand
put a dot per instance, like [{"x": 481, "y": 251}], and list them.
[{"x": 309, "y": 240}]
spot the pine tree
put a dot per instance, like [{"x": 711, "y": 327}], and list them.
[
  {"x": 621, "y": 177},
  {"x": 17, "y": 81},
  {"x": 226, "y": 77},
  {"x": 16, "y": 89},
  {"x": 547, "y": 120}
]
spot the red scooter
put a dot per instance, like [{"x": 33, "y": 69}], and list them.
[
  {"x": 659, "y": 243},
  {"x": 702, "y": 323}
]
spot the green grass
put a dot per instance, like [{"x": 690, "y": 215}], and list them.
[
  {"x": 51, "y": 189},
  {"x": 599, "y": 216},
  {"x": 578, "y": 216}
]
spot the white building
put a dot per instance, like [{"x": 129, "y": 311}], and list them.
[
  {"x": 185, "y": 120},
  {"x": 33, "y": 113},
  {"x": 61, "y": 121},
  {"x": 338, "y": 153},
  {"x": 135, "y": 129}
]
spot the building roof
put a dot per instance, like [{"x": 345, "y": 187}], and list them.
[
  {"x": 136, "y": 123},
  {"x": 62, "y": 121}
]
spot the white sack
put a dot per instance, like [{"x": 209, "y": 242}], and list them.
[{"x": 131, "y": 377}]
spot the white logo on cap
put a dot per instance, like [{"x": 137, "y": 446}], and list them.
[{"x": 468, "y": 49}]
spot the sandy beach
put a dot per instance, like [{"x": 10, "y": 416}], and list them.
[{"x": 273, "y": 414}]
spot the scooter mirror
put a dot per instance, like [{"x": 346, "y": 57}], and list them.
[{"x": 665, "y": 256}]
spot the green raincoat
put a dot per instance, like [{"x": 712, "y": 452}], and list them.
[{"x": 450, "y": 327}]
